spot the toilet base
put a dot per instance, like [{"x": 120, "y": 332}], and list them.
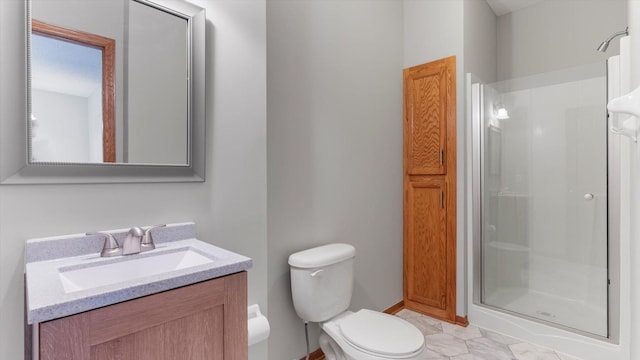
[{"x": 330, "y": 348}]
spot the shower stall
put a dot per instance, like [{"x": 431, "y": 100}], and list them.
[{"x": 542, "y": 233}]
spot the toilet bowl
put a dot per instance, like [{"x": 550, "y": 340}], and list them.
[{"x": 370, "y": 335}]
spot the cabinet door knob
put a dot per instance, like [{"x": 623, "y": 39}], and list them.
[{"x": 588, "y": 196}]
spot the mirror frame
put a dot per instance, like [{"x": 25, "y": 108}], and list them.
[{"x": 15, "y": 167}]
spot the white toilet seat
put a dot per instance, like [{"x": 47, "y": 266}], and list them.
[
  {"x": 381, "y": 334},
  {"x": 374, "y": 335}
]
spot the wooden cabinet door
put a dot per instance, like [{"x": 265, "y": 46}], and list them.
[
  {"x": 203, "y": 321},
  {"x": 428, "y": 253},
  {"x": 430, "y": 189},
  {"x": 429, "y": 107}
]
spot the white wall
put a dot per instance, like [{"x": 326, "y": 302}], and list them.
[
  {"x": 62, "y": 132},
  {"x": 553, "y": 35},
  {"x": 229, "y": 208},
  {"x": 334, "y": 86}
]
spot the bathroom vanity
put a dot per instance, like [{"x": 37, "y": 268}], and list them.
[
  {"x": 186, "y": 299},
  {"x": 201, "y": 321}
]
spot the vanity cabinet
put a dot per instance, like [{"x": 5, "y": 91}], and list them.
[
  {"x": 430, "y": 188},
  {"x": 206, "y": 320}
]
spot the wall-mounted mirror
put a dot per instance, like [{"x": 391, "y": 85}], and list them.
[{"x": 115, "y": 93}]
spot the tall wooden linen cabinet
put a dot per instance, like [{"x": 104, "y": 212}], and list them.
[{"x": 430, "y": 188}]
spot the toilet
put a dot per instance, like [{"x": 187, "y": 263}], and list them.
[{"x": 321, "y": 287}]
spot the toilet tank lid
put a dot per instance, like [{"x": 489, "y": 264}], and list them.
[{"x": 322, "y": 256}]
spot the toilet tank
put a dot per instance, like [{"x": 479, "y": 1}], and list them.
[{"x": 322, "y": 281}]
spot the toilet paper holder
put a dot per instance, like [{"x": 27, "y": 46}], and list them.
[{"x": 257, "y": 325}]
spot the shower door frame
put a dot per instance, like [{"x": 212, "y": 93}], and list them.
[{"x": 476, "y": 109}]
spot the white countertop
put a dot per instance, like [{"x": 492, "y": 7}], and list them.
[{"x": 47, "y": 299}]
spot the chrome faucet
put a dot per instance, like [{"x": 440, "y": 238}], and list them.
[
  {"x": 131, "y": 243},
  {"x": 136, "y": 241}
]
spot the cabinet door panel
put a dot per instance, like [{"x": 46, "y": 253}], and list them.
[
  {"x": 428, "y": 95},
  {"x": 195, "y": 322},
  {"x": 427, "y": 276},
  {"x": 64, "y": 338},
  {"x": 132, "y": 316},
  {"x": 196, "y": 337},
  {"x": 138, "y": 345}
]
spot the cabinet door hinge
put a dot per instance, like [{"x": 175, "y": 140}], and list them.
[
  {"x": 441, "y": 157},
  {"x": 441, "y": 199}
]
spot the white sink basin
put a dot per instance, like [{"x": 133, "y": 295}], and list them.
[{"x": 129, "y": 268}]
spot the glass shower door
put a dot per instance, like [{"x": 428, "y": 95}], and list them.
[{"x": 544, "y": 198}]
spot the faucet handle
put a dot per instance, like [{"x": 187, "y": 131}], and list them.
[
  {"x": 110, "y": 247},
  {"x": 147, "y": 241}
]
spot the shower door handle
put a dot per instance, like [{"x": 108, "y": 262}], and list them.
[{"x": 588, "y": 196}]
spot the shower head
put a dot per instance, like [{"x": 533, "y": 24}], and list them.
[{"x": 605, "y": 44}]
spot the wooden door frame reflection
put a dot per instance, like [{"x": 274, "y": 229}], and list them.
[{"x": 108, "y": 48}]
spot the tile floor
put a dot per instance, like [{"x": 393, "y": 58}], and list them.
[{"x": 446, "y": 341}]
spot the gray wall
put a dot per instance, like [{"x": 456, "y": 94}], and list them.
[
  {"x": 553, "y": 35},
  {"x": 480, "y": 52},
  {"x": 229, "y": 208},
  {"x": 334, "y": 85},
  {"x": 467, "y": 29},
  {"x": 480, "y": 42},
  {"x": 433, "y": 30}
]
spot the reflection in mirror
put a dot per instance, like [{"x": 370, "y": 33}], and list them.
[
  {"x": 72, "y": 118},
  {"x": 134, "y": 108},
  {"x": 157, "y": 87}
]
